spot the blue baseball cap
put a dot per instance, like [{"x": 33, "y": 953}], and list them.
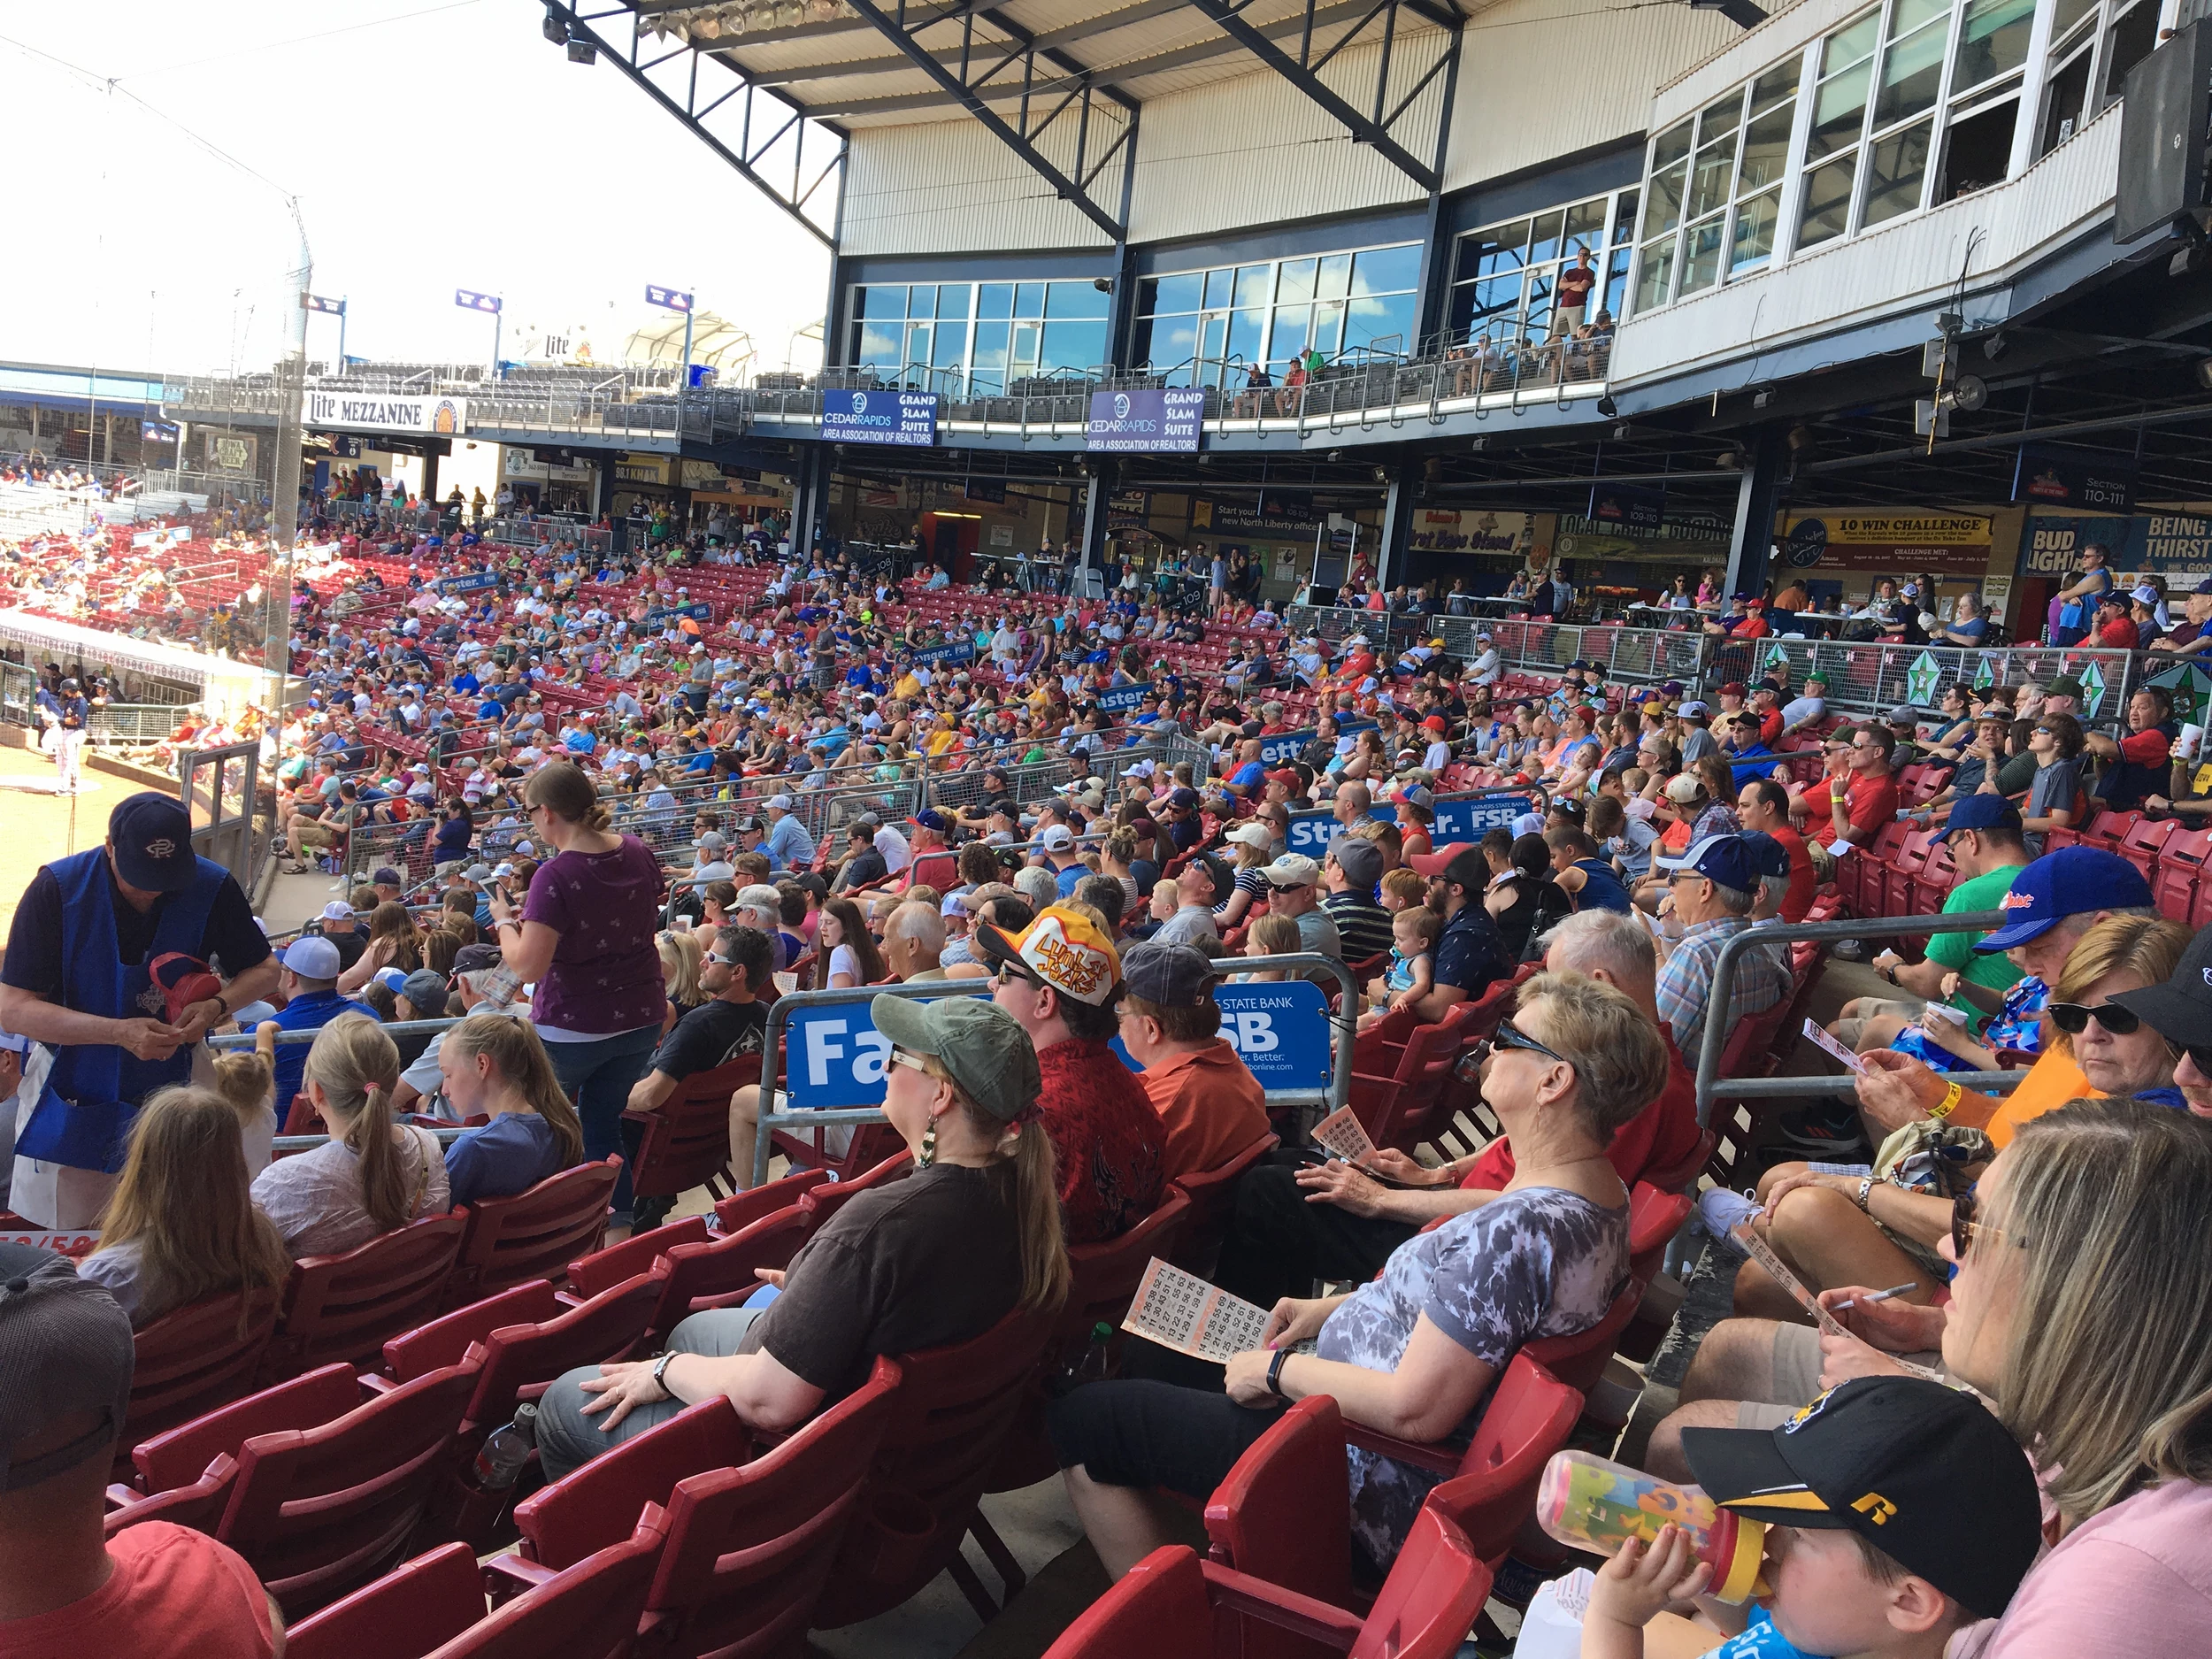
[
  {"x": 1982, "y": 811},
  {"x": 151, "y": 837},
  {"x": 2071, "y": 881},
  {"x": 1727, "y": 859},
  {"x": 1768, "y": 856}
]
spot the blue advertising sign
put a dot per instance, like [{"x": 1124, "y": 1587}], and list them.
[
  {"x": 1161, "y": 419},
  {"x": 448, "y": 586},
  {"x": 955, "y": 652},
  {"x": 469, "y": 299},
  {"x": 834, "y": 1055},
  {"x": 1290, "y": 745},
  {"x": 880, "y": 417},
  {"x": 667, "y": 299},
  {"x": 660, "y": 616},
  {"x": 1121, "y": 699},
  {"x": 1280, "y": 1031},
  {"x": 1464, "y": 821}
]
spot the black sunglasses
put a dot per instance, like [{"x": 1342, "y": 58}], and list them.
[
  {"x": 2073, "y": 1017},
  {"x": 1509, "y": 1035}
]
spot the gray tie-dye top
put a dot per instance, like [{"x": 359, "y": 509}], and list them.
[{"x": 1537, "y": 1262}]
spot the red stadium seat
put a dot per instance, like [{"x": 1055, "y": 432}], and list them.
[
  {"x": 1578, "y": 1361},
  {"x": 328, "y": 1491},
  {"x": 1933, "y": 883},
  {"x": 603, "y": 1268},
  {"x": 435, "y": 1604},
  {"x": 2180, "y": 874},
  {"x": 1279, "y": 1515},
  {"x": 533, "y": 1234},
  {"x": 822, "y": 1201},
  {"x": 1166, "y": 1606},
  {"x": 750, "y": 1541},
  {"x": 1900, "y": 870},
  {"x": 345, "y": 1306},
  {"x": 740, "y": 1210},
  {"x": 1656, "y": 1213},
  {"x": 950, "y": 1414},
  {"x": 188, "y": 1362},
  {"x": 685, "y": 1139},
  {"x": 720, "y": 1272}
]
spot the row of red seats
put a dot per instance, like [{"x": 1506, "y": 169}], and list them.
[{"x": 1908, "y": 871}]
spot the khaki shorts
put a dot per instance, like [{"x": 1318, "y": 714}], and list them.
[
  {"x": 317, "y": 836},
  {"x": 1795, "y": 1378}
]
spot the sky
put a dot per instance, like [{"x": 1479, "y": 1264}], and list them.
[{"x": 432, "y": 145}]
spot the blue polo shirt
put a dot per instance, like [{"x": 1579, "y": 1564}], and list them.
[{"x": 309, "y": 1011}]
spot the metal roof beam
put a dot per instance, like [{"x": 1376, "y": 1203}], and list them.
[
  {"x": 743, "y": 156},
  {"x": 1364, "y": 128},
  {"x": 1017, "y": 137}
]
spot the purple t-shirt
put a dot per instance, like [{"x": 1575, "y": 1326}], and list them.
[{"x": 606, "y": 975}]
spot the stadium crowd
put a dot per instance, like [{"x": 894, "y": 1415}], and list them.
[{"x": 607, "y": 808}]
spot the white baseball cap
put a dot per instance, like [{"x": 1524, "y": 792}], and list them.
[
  {"x": 1056, "y": 838},
  {"x": 312, "y": 957},
  {"x": 337, "y": 910}
]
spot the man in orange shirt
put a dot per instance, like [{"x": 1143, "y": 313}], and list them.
[{"x": 1211, "y": 1106}]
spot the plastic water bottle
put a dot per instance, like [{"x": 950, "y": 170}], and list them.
[
  {"x": 509, "y": 1448},
  {"x": 1592, "y": 1503},
  {"x": 1095, "y": 1364}
]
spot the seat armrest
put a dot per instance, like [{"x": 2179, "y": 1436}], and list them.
[
  {"x": 1285, "y": 1610},
  {"x": 1438, "y": 1459}
]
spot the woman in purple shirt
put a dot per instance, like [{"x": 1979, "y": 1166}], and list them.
[{"x": 584, "y": 938}]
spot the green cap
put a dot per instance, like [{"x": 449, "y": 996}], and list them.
[{"x": 990, "y": 1057}]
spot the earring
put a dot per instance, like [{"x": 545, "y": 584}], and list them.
[{"x": 928, "y": 1154}]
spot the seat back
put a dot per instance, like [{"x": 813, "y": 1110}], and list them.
[
  {"x": 605, "y": 1268},
  {"x": 1213, "y": 1195},
  {"x": 1654, "y": 1216},
  {"x": 1679, "y": 1176},
  {"x": 533, "y": 1234},
  {"x": 1159, "y": 1610},
  {"x": 822, "y": 1201},
  {"x": 719, "y": 1273},
  {"x": 517, "y": 1357},
  {"x": 750, "y": 1548},
  {"x": 740, "y": 1210},
  {"x": 1279, "y": 1515},
  {"x": 445, "y": 1340},
  {"x": 410, "y": 1612},
  {"x": 1578, "y": 1361},
  {"x": 1431, "y": 1600},
  {"x": 686, "y": 1140},
  {"x": 1530, "y": 1416},
  {"x": 192, "y": 1360},
  {"x": 176, "y": 1459},
  {"x": 318, "y": 1511},
  {"x": 596, "y": 1505},
  {"x": 345, "y": 1306},
  {"x": 1402, "y": 1113},
  {"x": 951, "y": 1411}
]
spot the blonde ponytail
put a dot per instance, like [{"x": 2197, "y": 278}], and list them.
[
  {"x": 520, "y": 1056},
  {"x": 358, "y": 1066}
]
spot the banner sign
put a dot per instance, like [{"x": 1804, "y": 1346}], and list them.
[
  {"x": 1280, "y": 1031},
  {"x": 667, "y": 299},
  {"x": 1162, "y": 420},
  {"x": 1128, "y": 508},
  {"x": 993, "y": 491},
  {"x": 1948, "y": 544},
  {"x": 660, "y": 616},
  {"x": 834, "y": 1057},
  {"x": 1121, "y": 699},
  {"x": 316, "y": 302},
  {"x": 1289, "y": 745},
  {"x": 1465, "y": 820},
  {"x": 450, "y": 586},
  {"x": 2171, "y": 543},
  {"x": 1477, "y": 530},
  {"x": 880, "y": 417},
  {"x": 156, "y": 432},
  {"x": 2071, "y": 477},
  {"x": 59, "y": 1243},
  {"x": 1627, "y": 509},
  {"x": 1228, "y": 519},
  {"x": 228, "y": 451},
  {"x": 955, "y": 652},
  {"x": 384, "y": 412},
  {"x": 469, "y": 299}
]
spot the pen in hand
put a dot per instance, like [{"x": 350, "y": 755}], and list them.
[{"x": 1879, "y": 1295}]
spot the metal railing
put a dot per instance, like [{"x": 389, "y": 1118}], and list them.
[
  {"x": 776, "y": 1116},
  {"x": 1871, "y": 676}
]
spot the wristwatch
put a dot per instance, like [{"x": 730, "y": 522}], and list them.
[
  {"x": 660, "y": 1373},
  {"x": 1866, "y": 1186},
  {"x": 1275, "y": 1373}
]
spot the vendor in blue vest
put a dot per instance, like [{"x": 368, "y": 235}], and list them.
[{"x": 79, "y": 981}]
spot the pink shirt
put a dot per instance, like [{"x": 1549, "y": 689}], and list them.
[{"x": 2132, "y": 1583}]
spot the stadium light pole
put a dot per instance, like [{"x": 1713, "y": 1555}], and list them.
[{"x": 276, "y": 651}]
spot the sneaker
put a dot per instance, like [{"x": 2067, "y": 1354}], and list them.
[
  {"x": 1718, "y": 1209},
  {"x": 1822, "y": 1131}
]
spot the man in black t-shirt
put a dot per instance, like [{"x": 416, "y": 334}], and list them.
[{"x": 731, "y": 1025}]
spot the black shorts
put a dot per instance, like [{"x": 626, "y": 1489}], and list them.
[{"x": 1155, "y": 1434}]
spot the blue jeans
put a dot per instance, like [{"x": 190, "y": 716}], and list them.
[{"x": 597, "y": 1076}]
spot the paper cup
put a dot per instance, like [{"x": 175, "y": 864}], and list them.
[{"x": 2190, "y": 745}]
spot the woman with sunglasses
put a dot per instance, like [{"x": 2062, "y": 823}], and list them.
[
  {"x": 1415, "y": 1352},
  {"x": 2082, "y": 1292},
  {"x": 1855, "y": 1229},
  {"x": 972, "y": 1233},
  {"x": 584, "y": 939}
]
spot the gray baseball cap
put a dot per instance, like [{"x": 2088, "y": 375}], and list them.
[
  {"x": 66, "y": 1348},
  {"x": 425, "y": 993},
  {"x": 990, "y": 1057}
]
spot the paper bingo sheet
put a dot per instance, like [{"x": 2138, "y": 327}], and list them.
[
  {"x": 1182, "y": 1311},
  {"x": 1340, "y": 1135}
]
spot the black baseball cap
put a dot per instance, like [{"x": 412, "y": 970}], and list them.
[
  {"x": 152, "y": 838},
  {"x": 1468, "y": 869},
  {"x": 1215, "y": 871},
  {"x": 1924, "y": 1473},
  {"x": 1167, "y": 975},
  {"x": 2180, "y": 1009}
]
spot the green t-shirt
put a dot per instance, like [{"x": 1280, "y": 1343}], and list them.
[
  {"x": 2017, "y": 774},
  {"x": 1956, "y": 952}
]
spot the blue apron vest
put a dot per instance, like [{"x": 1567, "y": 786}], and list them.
[
  {"x": 1601, "y": 889},
  {"x": 93, "y": 1091}
]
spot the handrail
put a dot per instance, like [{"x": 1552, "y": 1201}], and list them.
[
  {"x": 772, "y": 1117},
  {"x": 1720, "y": 999}
]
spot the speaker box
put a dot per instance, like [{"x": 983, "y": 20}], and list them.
[{"x": 2162, "y": 134}]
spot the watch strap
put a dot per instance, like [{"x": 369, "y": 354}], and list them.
[
  {"x": 660, "y": 1373},
  {"x": 1275, "y": 1372}
]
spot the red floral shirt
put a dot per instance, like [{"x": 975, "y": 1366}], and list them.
[{"x": 1106, "y": 1136}]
